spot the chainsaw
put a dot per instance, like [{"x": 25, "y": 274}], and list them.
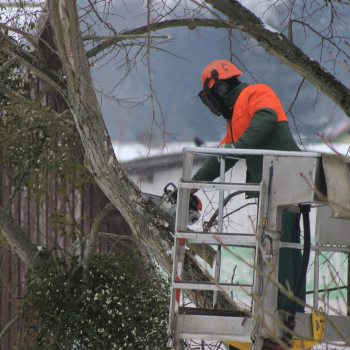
[{"x": 168, "y": 203}]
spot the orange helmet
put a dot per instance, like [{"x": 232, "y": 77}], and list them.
[{"x": 225, "y": 70}]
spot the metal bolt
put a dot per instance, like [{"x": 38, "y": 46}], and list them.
[
  {"x": 274, "y": 191},
  {"x": 272, "y": 225}
]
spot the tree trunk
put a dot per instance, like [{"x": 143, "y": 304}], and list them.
[{"x": 99, "y": 153}]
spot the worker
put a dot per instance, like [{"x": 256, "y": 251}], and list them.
[{"x": 255, "y": 120}]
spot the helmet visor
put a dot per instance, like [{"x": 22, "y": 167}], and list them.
[{"x": 210, "y": 101}]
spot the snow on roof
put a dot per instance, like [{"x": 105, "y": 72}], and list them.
[
  {"x": 341, "y": 148},
  {"x": 132, "y": 151}
]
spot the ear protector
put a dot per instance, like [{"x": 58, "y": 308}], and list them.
[{"x": 221, "y": 89}]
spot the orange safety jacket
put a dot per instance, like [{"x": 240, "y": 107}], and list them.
[
  {"x": 251, "y": 99},
  {"x": 258, "y": 122}
]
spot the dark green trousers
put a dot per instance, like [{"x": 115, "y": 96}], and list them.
[{"x": 290, "y": 260}]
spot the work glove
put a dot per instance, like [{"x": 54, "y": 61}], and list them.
[
  {"x": 195, "y": 203},
  {"x": 195, "y": 206}
]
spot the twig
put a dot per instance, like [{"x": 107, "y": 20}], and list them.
[
  {"x": 331, "y": 147},
  {"x": 296, "y": 95},
  {"x": 216, "y": 213}
]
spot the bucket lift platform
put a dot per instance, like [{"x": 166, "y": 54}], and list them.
[{"x": 290, "y": 181}]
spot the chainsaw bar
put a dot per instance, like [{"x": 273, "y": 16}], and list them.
[{"x": 162, "y": 202}]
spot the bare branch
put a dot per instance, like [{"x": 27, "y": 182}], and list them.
[
  {"x": 122, "y": 37},
  {"x": 190, "y": 23},
  {"x": 216, "y": 212},
  {"x": 9, "y": 325},
  {"x": 324, "y": 38},
  {"x": 23, "y": 4},
  {"x": 93, "y": 236},
  {"x": 111, "y": 236},
  {"x": 274, "y": 43},
  {"x": 118, "y": 237},
  {"x": 296, "y": 95}
]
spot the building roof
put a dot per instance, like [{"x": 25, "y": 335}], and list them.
[
  {"x": 152, "y": 164},
  {"x": 136, "y": 158}
]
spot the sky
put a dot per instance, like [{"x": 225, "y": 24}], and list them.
[{"x": 176, "y": 67}]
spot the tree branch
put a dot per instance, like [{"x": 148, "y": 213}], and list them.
[
  {"x": 190, "y": 23},
  {"x": 93, "y": 236},
  {"x": 274, "y": 43},
  {"x": 9, "y": 325},
  {"x": 22, "y": 3},
  {"x": 108, "y": 235},
  {"x": 216, "y": 212},
  {"x": 8, "y": 64},
  {"x": 45, "y": 89},
  {"x": 279, "y": 46},
  {"x": 20, "y": 242},
  {"x": 31, "y": 39},
  {"x": 31, "y": 62},
  {"x": 122, "y": 37},
  {"x": 14, "y": 96}
]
